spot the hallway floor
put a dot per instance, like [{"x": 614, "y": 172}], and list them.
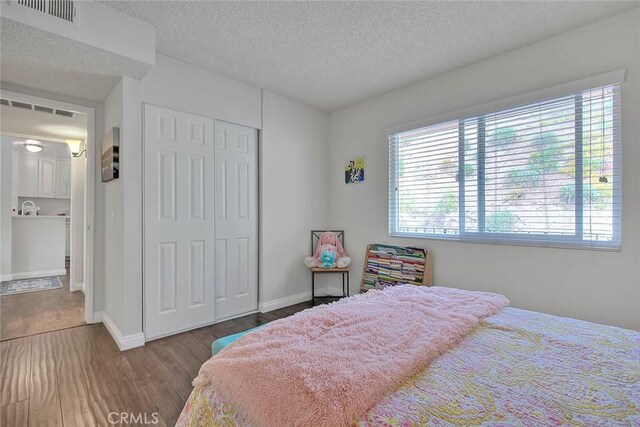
[
  {"x": 77, "y": 376},
  {"x": 31, "y": 313}
]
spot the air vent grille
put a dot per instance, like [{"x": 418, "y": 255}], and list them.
[
  {"x": 62, "y": 9},
  {"x": 41, "y": 108},
  {"x": 39, "y": 5},
  {"x": 18, "y": 104},
  {"x": 64, "y": 113}
]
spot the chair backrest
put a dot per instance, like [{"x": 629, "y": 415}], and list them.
[{"x": 315, "y": 236}]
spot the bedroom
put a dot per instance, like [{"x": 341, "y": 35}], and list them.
[{"x": 322, "y": 84}]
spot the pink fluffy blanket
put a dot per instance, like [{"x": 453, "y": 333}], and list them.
[{"x": 328, "y": 365}]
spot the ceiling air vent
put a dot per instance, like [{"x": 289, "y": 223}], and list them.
[
  {"x": 64, "y": 113},
  {"x": 62, "y": 9},
  {"x": 43, "y": 109},
  {"x": 19, "y": 104}
]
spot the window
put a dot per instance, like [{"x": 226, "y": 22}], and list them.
[{"x": 546, "y": 173}]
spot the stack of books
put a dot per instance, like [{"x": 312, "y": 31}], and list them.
[{"x": 388, "y": 265}]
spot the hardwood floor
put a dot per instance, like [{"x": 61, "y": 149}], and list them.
[
  {"x": 77, "y": 376},
  {"x": 33, "y": 313}
]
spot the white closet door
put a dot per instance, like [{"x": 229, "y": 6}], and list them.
[
  {"x": 179, "y": 221},
  {"x": 236, "y": 223}
]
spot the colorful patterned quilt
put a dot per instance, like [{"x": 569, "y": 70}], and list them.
[{"x": 517, "y": 368}]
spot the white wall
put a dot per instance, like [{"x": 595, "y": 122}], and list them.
[
  {"x": 593, "y": 285},
  {"x": 6, "y": 177},
  {"x": 183, "y": 87},
  {"x": 123, "y": 218},
  {"x": 293, "y": 196},
  {"x": 113, "y": 232},
  {"x": 131, "y": 177}
]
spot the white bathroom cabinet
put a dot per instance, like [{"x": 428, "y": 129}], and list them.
[{"x": 42, "y": 176}]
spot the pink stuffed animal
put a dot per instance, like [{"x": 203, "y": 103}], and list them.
[{"x": 328, "y": 238}]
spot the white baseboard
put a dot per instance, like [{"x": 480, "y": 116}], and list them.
[
  {"x": 97, "y": 316},
  {"x": 267, "y": 306},
  {"x": 6, "y": 277},
  {"x": 202, "y": 325},
  {"x": 76, "y": 287},
  {"x": 37, "y": 274},
  {"x": 235, "y": 316},
  {"x": 124, "y": 342}
]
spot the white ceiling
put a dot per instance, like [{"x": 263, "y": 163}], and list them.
[
  {"x": 333, "y": 54},
  {"x": 41, "y": 125}
]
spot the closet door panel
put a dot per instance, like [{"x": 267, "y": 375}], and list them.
[
  {"x": 178, "y": 221},
  {"x": 236, "y": 223}
]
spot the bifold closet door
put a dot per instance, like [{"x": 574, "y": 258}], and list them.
[
  {"x": 178, "y": 221},
  {"x": 236, "y": 220}
]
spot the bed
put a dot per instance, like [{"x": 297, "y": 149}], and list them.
[{"x": 516, "y": 367}]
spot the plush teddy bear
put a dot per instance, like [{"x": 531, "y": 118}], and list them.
[
  {"x": 328, "y": 238},
  {"x": 328, "y": 257}
]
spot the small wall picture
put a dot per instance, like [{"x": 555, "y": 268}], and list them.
[
  {"x": 354, "y": 170},
  {"x": 111, "y": 155}
]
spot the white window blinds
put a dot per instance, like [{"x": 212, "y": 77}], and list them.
[{"x": 544, "y": 173}]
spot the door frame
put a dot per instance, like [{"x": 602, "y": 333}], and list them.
[{"x": 89, "y": 190}]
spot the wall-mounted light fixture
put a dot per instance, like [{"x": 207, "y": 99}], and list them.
[
  {"x": 74, "y": 147},
  {"x": 33, "y": 145}
]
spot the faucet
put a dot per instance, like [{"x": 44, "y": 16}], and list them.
[{"x": 33, "y": 211}]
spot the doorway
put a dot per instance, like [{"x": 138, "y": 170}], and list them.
[{"x": 46, "y": 257}]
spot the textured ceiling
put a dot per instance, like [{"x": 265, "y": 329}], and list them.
[
  {"x": 333, "y": 54},
  {"x": 42, "y": 125},
  {"x": 39, "y": 59}
]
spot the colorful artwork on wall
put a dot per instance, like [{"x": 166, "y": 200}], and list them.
[{"x": 354, "y": 170}]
